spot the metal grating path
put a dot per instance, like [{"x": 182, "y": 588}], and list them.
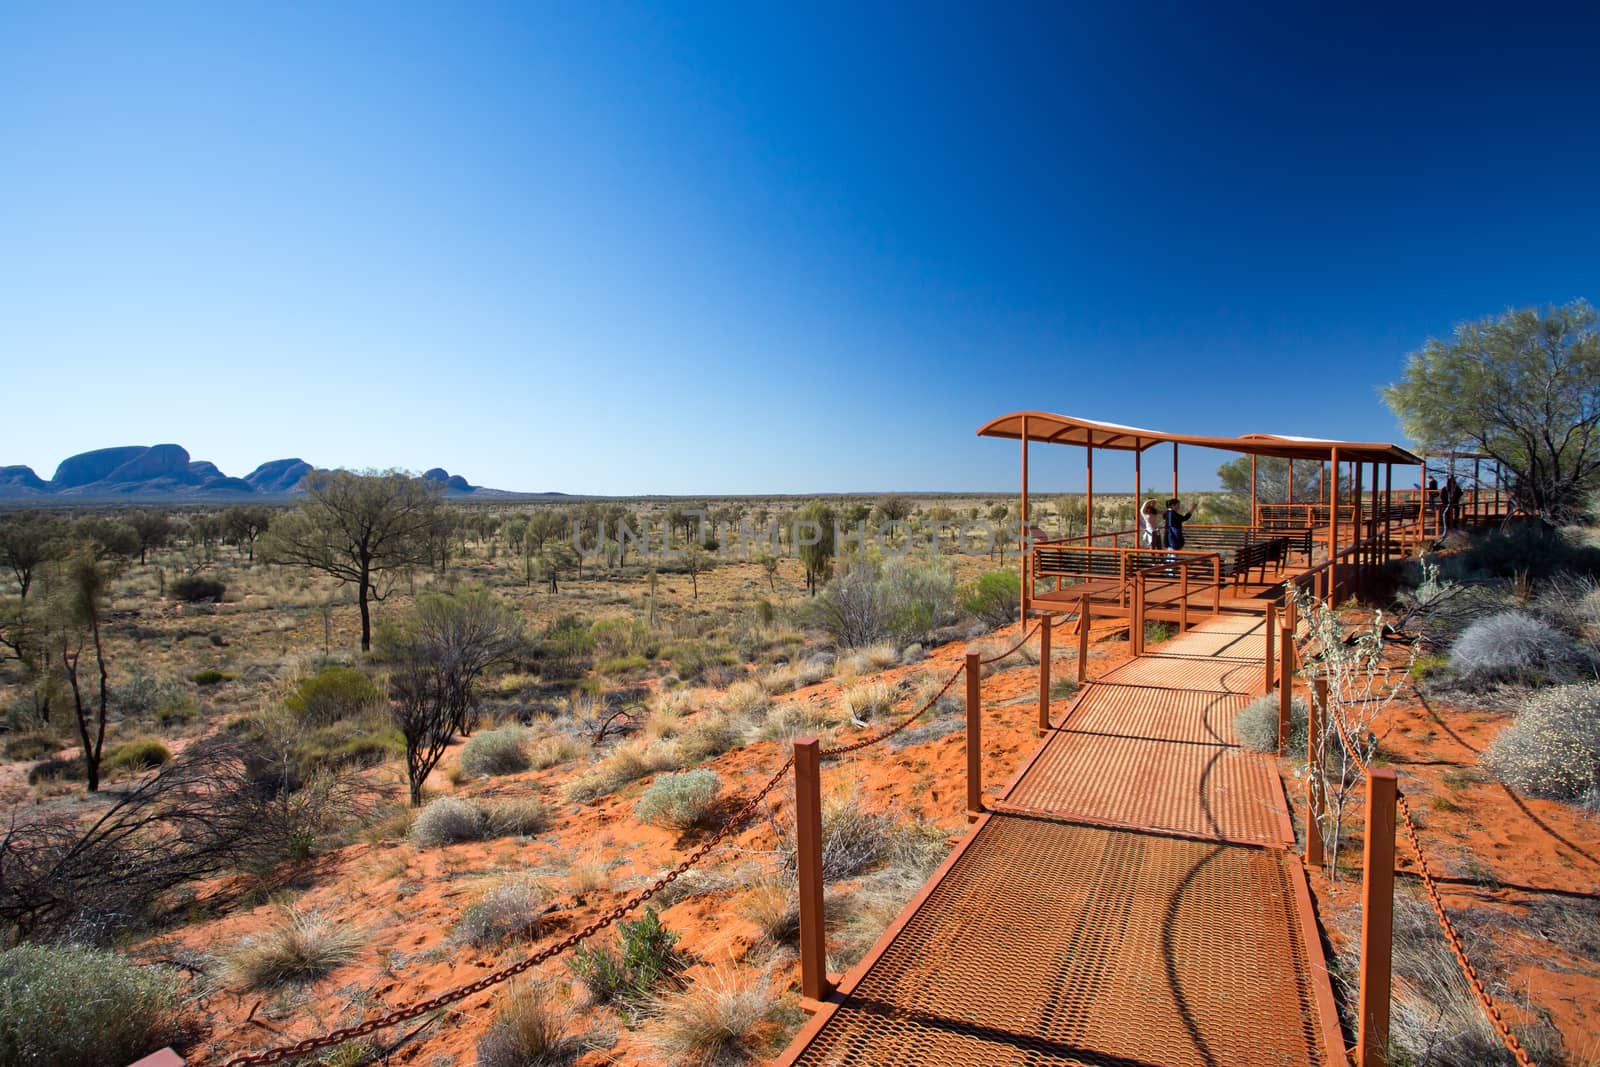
[
  {"x": 1129, "y": 901},
  {"x": 1051, "y": 943}
]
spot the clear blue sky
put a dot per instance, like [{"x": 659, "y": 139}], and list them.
[{"x": 761, "y": 248}]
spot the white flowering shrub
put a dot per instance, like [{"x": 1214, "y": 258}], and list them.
[{"x": 1553, "y": 748}]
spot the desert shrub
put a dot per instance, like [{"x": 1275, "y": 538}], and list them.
[
  {"x": 747, "y": 699},
  {"x": 142, "y": 696},
  {"x": 297, "y": 946},
  {"x": 622, "y": 666},
  {"x": 679, "y": 801},
  {"x": 995, "y": 597},
  {"x": 138, "y": 755},
  {"x": 31, "y": 746},
  {"x": 616, "y": 638},
  {"x": 644, "y": 957},
  {"x": 1426, "y": 667},
  {"x": 854, "y": 838},
  {"x": 717, "y": 1020},
  {"x": 503, "y": 751},
  {"x": 68, "y": 768},
  {"x": 881, "y": 656},
  {"x": 912, "y": 653},
  {"x": 510, "y": 908},
  {"x": 363, "y": 742},
  {"x": 774, "y": 906},
  {"x": 210, "y": 676},
  {"x": 531, "y": 1028},
  {"x": 193, "y": 589},
  {"x": 446, "y": 821},
  {"x": 626, "y": 763},
  {"x": 333, "y": 693},
  {"x": 792, "y": 720},
  {"x": 556, "y": 749},
  {"x": 519, "y": 817},
  {"x": 711, "y": 736},
  {"x": 869, "y": 701},
  {"x": 868, "y": 602},
  {"x": 1533, "y": 549},
  {"x": 566, "y": 649},
  {"x": 1256, "y": 724},
  {"x": 1512, "y": 647},
  {"x": 1159, "y": 631},
  {"x": 1552, "y": 749},
  {"x": 74, "y": 1006}
]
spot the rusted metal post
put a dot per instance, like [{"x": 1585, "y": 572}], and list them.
[
  {"x": 1269, "y": 659},
  {"x": 1088, "y": 503},
  {"x": 974, "y": 737},
  {"x": 1252, "y": 489},
  {"x": 1285, "y": 687},
  {"x": 1136, "y": 621},
  {"x": 814, "y": 984},
  {"x": 1137, "y": 503},
  {"x": 1183, "y": 596},
  {"x": 1083, "y": 639},
  {"x": 1027, "y": 556},
  {"x": 1291, "y": 480},
  {"x": 1377, "y": 921},
  {"x": 1314, "y": 797},
  {"x": 1174, "y": 468},
  {"x": 1044, "y": 674},
  {"x": 1333, "y": 533}
]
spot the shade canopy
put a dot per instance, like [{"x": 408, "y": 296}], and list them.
[{"x": 1048, "y": 428}]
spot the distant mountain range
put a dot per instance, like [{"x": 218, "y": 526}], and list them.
[{"x": 165, "y": 472}]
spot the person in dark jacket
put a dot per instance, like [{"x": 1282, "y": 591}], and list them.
[{"x": 1175, "y": 521}]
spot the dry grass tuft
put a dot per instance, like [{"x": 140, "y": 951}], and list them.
[
  {"x": 557, "y": 749},
  {"x": 719, "y": 1020},
  {"x": 869, "y": 701},
  {"x": 774, "y": 906},
  {"x": 299, "y": 946},
  {"x": 510, "y": 908},
  {"x": 532, "y": 1027},
  {"x": 746, "y": 700},
  {"x": 627, "y": 763}
]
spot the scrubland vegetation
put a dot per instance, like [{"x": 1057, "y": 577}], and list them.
[{"x": 189, "y": 700}]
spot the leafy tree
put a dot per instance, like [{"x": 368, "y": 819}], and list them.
[
  {"x": 152, "y": 529},
  {"x": 814, "y": 541},
  {"x": 1523, "y": 387},
  {"x": 243, "y": 525},
  {"x": 27, "y": 540},
  {"x": 109, "y": 539},
  {"x": 436, "y": 656},
  {"x": 893, "y": 508},
  {"x": 356, "y": 526},
  {"x": 1272, "y": 479},
  {"x": 769, "y": 567}
]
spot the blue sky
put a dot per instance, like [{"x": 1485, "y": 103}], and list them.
[{"x": 781, "y": 248}]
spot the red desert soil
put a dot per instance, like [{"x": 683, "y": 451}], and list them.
[
  {"x": 405, "y": 899},
  {"x": 1519, "y": 876}
]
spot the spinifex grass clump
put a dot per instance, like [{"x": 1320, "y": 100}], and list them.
[
  {"x": 1513, "y": 647},
  {"x": 1256, "y": 724},
  {"x": 70, "y": 1004},
  {"x": 680, "y": 801},
  {"x": 503, "y": 751}
]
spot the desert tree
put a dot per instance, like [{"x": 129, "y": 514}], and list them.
[
  {"x": 436, "y": 655},
  {"x": 893, "y": 508},
  {"x": 814, "y": 541},
  {"x": 79, "y": 601},
  {"x": 110, "y": 539},
  {"x": 28, "y": 539},
  {"x": 152, "y": 529},
  {"x": 1523, "y": 387},
  {"x": 355, "y": 527},
  {"x": 244, "y": 524}
]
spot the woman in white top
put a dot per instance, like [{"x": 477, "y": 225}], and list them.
[{"x": 1150, "y": 525}]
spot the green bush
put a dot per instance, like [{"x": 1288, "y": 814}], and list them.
[
  {"x": 623, "y": 666},
  {"x": 333, "y": 693},
  {"x": 351, "y": 743},
  {"x": 210, "y": 676},
  {"x": 492, "y": 752},
  {"x": 679, "y": 801},
  {"x": 1553, "y": 748},
  {"x": 995, "y": 597},
  {"x": 1256, "y": 724},
  {"x": 646, "y": 956},
  {"x": 195, "y": 589},
  {"x": 870, "y": 601},
  {"x": 138, "y": 755},
  {"x": 451, "y": 819},
  {"x": 620, "y": 638},
  {"x": 70, "y": 1005}
]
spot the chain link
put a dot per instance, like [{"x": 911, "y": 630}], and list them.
[
  {"x": 1468, "y": 971},
  {"x": 1020, "y": 642},
  {"x": 606, "y": 919},
  {"x": 461, "y": 992}
]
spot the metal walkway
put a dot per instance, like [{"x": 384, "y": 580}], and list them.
[{"x": 1130, "y": 901}]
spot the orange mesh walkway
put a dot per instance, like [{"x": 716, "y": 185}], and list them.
[
  {"x": 1130, "y": 900},
  {"x": 1050, "y": 943}
]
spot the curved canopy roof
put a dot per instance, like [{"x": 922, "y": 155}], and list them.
[{"x": 1049, "y": 428}]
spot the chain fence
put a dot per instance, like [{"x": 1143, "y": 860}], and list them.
[{"x": 605, "y": 920}]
